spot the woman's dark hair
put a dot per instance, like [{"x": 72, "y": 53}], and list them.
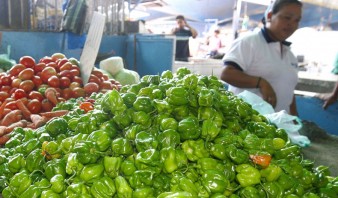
[
  {"x": 277, "y": 5},
  {"x": 180, "y": 17}
]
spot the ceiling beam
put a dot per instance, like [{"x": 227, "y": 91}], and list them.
[{"x": 323, "y": 3}]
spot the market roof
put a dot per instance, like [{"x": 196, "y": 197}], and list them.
[{"x": 315, "y": 12}]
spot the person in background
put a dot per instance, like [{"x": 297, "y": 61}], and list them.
[
  {"x": 214, "y": 43},
  {"x": 262, "y": 62},
  {"x": 183, "y": 31}
]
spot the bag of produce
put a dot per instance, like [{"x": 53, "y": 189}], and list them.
[
  {"x": 113, "y": 65},
  {"x": 5, "y": 62},
  {"x": 127, "y": 77}
]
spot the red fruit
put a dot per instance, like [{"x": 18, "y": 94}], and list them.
[
  {"x": 35, "y": 95},
  {"x": 95, "y": 79},
  {"x": 34, "y": 106},
  {"x": 37, "y": 81},
  {"x": 73, "y": 85},
  {"x": 5, "y": 88},
  {"x": 27, "y": 61},
  {"x": 54, "y": 81},
  {"x": 39, "y": 67},
  {"x": 67, "y": 93},
  {"x": 106, "y": 85},
  {"x": 6, "y": 80},
  {"x": 27, "y": 85},
  {"x": 91, "y": 87},
  {"x": 46, "y": 105},
  {"x": 56, "y": 56},
  {"x": 3, "y": 96},
  {"x": 26, "y": 74},
  {"x": 16, "y": 69},
  {"x": 77, "y": 79},
  {"x": 66, "y": 73},
  {"x": 46, "y": 73},
  {"x": 66, "y": 66},
  {"x": 46, "y": 60},
  {"x": 11, "y": 105},
  {"x": 97, "y": 73},
  {"x": 75, "y": 72},
  {"x": 19, "y": 93},
  {"x": 16, "y": 82},
  {"x": 64, "y": 82},
  {"x": 78, "y": 92}
]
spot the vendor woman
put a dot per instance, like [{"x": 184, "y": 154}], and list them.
[{"x": 262, "y": 62}]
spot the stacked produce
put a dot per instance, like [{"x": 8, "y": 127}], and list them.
[
  {"x": 174, "y": 135},
  {"x": 29, "y": 90}
]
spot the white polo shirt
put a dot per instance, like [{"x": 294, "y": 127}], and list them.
[{"x": 257, "y": 55}]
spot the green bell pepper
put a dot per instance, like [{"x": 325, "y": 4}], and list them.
[
  {"x": 194, "y": 150},
  {"x": 169, "y": 159},
  {"x": 271, "y": 173},
  {"x": 168, "y": 123},
  {"x": 112, "y": 102},
  {"x": 188, "y": 128},
  {"x": 141, "y": 178},
  {"x": 247, "y": 175},
  {"x": 210, "y": 130},
  {"x": 50, "y": 194},
  {"x": 103, "y": 187},
  {"x": 218, "y": 151},
  {"x": 54, "y": 167},
  {"x": 177, "y": 96},
  {"x": 122, "y": 187},
  {"x": 58, "y": 183},
  {"x": 91, "y": 172},
  {"x": 20, "y": 182},
  {"x": 148, "y": 159},
  {"x": 121, "y": 146},
  {"x": 87, "y": 151},
  {"x": 237, "y": 155},
  {"x": 162, "y": 106},
  {"x": 30, "y": 145},
  {"x": 182, "y": 194},
  {"x": 112, "y": 165},
  {"x": 214, "y": 181},
  {"x": 101, "y": 138},
  {"x": 35, "y": 160},
  {"x": 143, "y": 192},
  {"x": 129, "y": 98},
  {"x": 128, "y": 167},
  {"x": 141, "y": 118},
  {"x": 272, "y": 189},
  {"x": 73, "y": 164},
  {"x": 169, "y": 138},
  {"x": 262, "y": 129},
  {"x": 249, "y": 192},
  {"x": 180, "y": 112},
  {"x": 57, "y": 126},
  {"x": 143, "y": 103},
  {"x": 16, "y": 162},
  {"x": 32, "y": 192},
  {"x": 77, "y": 190},
  {"x": 145, "y": 141},
  {"x": 123, "y": 119},
  {"x": 205, "y": 98},
  {"x": 167, "y": 74}
]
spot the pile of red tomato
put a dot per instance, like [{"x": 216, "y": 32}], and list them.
[{"x": 28, "y": 79}]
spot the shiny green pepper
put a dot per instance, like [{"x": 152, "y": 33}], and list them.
[
  {"x": 91, "y": 172},
  {"x": 247, "y": 175},
  {"x": 112, "y": 166},
  {"x": 143, "y": 103},
  {"x": 54, "y": 167},
  {"x": 214, "y": 181},
  {"x": 101, "y": 138},
  {"x": 188, "y": 128},
  {"x": 58, "y": 183},
  {"x": 121, "y": 146},
  {"x": 195, "y": 150},
  {"x": 145, "y": 141},
  {"x": 169, "y": 138},
  {"x": 177, "y": 96},
  {"x": 35, "y": 160},
  {"x": 271, "y": 173},
  {"x": 103, "y": 187},
  {"x": 122, "y": 187}
]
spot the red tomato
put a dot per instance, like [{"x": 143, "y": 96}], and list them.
[
  {"x": 26, "y": 74},
  {"x": 34, "y": 106},
  {"x": 11, "y": 105},
  {"x": 66, "y": 66},
  {"x": 39, "y": 67},
  {"x": 104, "y": 77},
  {"x": 95, "y": 79},
  {"x": 46, "y": 105},
  {"x": 106, "y": 85},
  {"x": 64, "y": 82},
  {"x": 6, "y": 80},
  {"x": 27, "y": 61},
  {"x": 67, "y": 93},
  {"x": 86, "y": 106},
  {"x": 97, "y": 73},
  {"x": 66, "y": 73},
  {"x": 91, "y": 87},
  {"x": 54, "y": 81},
  {"x": 75, "y": 72},
  {"x": 16, "y": 82},
  {"x": 78, "y": 80},
  {"x": 73, "y": 85},
  {"x": 5, "y": 88},
  {"x": 46, "y": 73},
  {"x": 37, "y": 81},
  {"x": 46, "y": 60},
  {"x": 78, "y": 92},
  {"x": 16, "y": 69},
  {"x": 19, "y": 93},
  {"x": 27, "y": 85},
  {"x": 61, "y": 62},
  {"x": 3, "y": 96},
  {"x": 57, "y": 56},
  {"x": 35, "y": 95}
]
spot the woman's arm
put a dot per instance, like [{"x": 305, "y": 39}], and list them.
[{"x": 238, "y": 78}]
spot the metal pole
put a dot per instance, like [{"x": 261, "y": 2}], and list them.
[
  {"x": 235, "y": 18},
  {"x": 45, "y": 14}
]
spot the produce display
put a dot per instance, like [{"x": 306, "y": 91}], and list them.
[
  {"x": 30, "y": 89},
  {"x": 171, "y": 135}
]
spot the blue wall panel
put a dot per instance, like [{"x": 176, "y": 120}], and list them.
[{"x": 310, "y": 109}]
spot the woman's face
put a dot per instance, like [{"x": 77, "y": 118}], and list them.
[{"x": 285, "y": 22}]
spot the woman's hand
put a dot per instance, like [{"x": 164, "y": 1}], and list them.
[{"x": 268, "y": 94}]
